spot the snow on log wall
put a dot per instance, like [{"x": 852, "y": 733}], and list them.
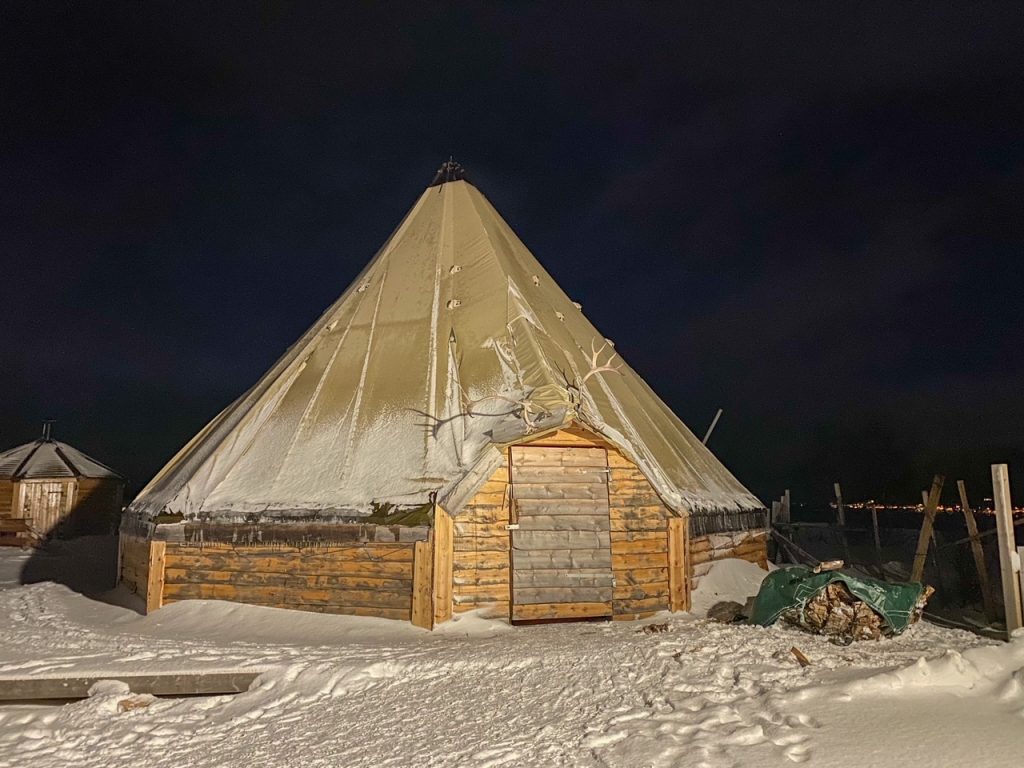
[
  {"x": 639, "y": 537},
  {"x": 751, "y": 546},
  {"x": 372, "y": 579}
]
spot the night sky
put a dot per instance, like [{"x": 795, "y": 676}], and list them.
[{"x": 807, "y": 215}]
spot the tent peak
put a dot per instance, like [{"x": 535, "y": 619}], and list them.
[{"x": 450, "y": 170}]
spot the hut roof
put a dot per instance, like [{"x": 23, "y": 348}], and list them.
[
  {"x": 453, "y": 340},
  {"x": 46, "y": 458}
]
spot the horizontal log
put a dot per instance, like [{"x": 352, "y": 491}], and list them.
[
  {"x": 533, "y": 541},
  {"x": 621, "y": 498},
  {"x": 562, "y": 438},
  {"x": 555, "y": 457},
  {"x": 564, "y": 577},
  {"x": 288, "y": 596},
  {"x": 533, "y": 507},
  {"x": 634, "y": 561},
  {"x": 642, "y": 576},
  {"x": 700, "y": 545},
  {"x": 590, "y": 523},
  {"x": 473, "y": 530},
  {"x": 478, "y": 543},
  {"x": 481, "y": 578},
  {"x": 562, "y": 558},
  {"x": 522, "y": 596},
  {"x": 479, "y": 560},
  {"x": 382, "y": 568},
  {"x": 488, "y": 609},
  {"x": 301, "y": 581},
  {"x": 575, "y": 491},
  {"x": 559, "y": 476},
  {"x": 640, "y": 546},
  {"x": 640, "y": 524},
  {"x": 642, "y": 591},
  {"x": 534, "y": 612},
  {"x": 482, "y": 592},
  {"x": 483, "y": 513},
  {"x": 369, "y": 551},
  {"x": 490, "y": 498},
  {"x": 640, "y": 605}
]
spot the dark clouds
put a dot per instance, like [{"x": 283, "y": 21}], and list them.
[{"x": 809, "y": 216}]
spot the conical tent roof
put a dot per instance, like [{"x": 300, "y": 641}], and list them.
[{"x": 453, "y": 340}]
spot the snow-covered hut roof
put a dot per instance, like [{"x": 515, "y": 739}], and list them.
[{"x": 45, "y": 458}]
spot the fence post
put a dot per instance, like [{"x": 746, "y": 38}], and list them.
[
  {"x": 1009, "y": 559},
  {"x": 931, "y": 505},
  {"x": 978, "y": 552}
]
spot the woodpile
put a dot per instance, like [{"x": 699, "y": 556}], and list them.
[{"x": 835, "y": 612}]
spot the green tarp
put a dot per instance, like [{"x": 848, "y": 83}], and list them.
[{"x": 793, "y": 586}]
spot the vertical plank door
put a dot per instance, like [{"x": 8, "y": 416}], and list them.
[{"x": 561, "y": 549}]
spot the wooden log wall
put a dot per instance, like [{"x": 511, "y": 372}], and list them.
[
  {"x": 359, "y": 579},
  {"x": 745, "y": 545},
  {"x": 480, "y": 561},
  {"x": 135, "y": 564},
  {"x": 639, "y": 539},
  {"x": 7, "y": 498}
]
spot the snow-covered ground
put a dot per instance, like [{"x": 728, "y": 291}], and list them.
[{"x": 339, "y": 691}]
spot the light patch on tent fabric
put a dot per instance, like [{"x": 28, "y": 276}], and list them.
[
  {"x": 578, "y": 305},
  {"x": 453, "y": 303},
  {"x": 560, "y": 316},
  {"x": 455, "y": 269},
  {"x": 536, "y": 280}
]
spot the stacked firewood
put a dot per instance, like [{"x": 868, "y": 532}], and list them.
[{"x": 834, "y": 611}]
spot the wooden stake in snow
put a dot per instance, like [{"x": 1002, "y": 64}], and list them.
[
  {"x": 1009, "y": 559},
  {"x": 841, "y": 521},
  {"x": 803, "y": 660},
  {"x": 931, "y": 505},
  {"x": 878, "y": 539},
  {"x": 979, "y": 553}
]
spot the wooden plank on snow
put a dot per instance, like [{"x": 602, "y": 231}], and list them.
[{"x": 40, "y": 687}]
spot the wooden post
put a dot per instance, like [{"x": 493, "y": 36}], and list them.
[
  {"x": 444, "y": 543},
  {"x": 841, "y": 522},
  {"x": 978, "y": 551},
  {"x": 878, "y": 538},
  {"x": 1009, "y": 560},
  {"x": 155, "y": 577},
  {"x": 677, "y": 581},
  {"x": 422, "y": 567},
  {"x": 931, "y": 505},
  {"x": 786, "y": 512}
]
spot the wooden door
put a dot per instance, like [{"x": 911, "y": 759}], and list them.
[
  {"x": 561, "y": 548},
  {"x": 46, "y": 504}
]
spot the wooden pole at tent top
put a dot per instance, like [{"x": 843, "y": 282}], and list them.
[{"x": 1009, "y": 558}]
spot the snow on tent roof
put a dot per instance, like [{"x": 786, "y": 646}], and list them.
[
  {"x": 453, "y": 340},
  {"x": 49, "y": 458}
]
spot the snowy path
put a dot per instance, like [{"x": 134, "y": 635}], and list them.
[{"x": 355, "y": 692}]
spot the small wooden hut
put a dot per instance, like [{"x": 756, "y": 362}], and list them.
[
  {"x": 451, "y": 434},
  {"x": 49, "y": 488}
]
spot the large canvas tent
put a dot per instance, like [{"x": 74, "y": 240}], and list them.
[{"x": 453, "y": 345}]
